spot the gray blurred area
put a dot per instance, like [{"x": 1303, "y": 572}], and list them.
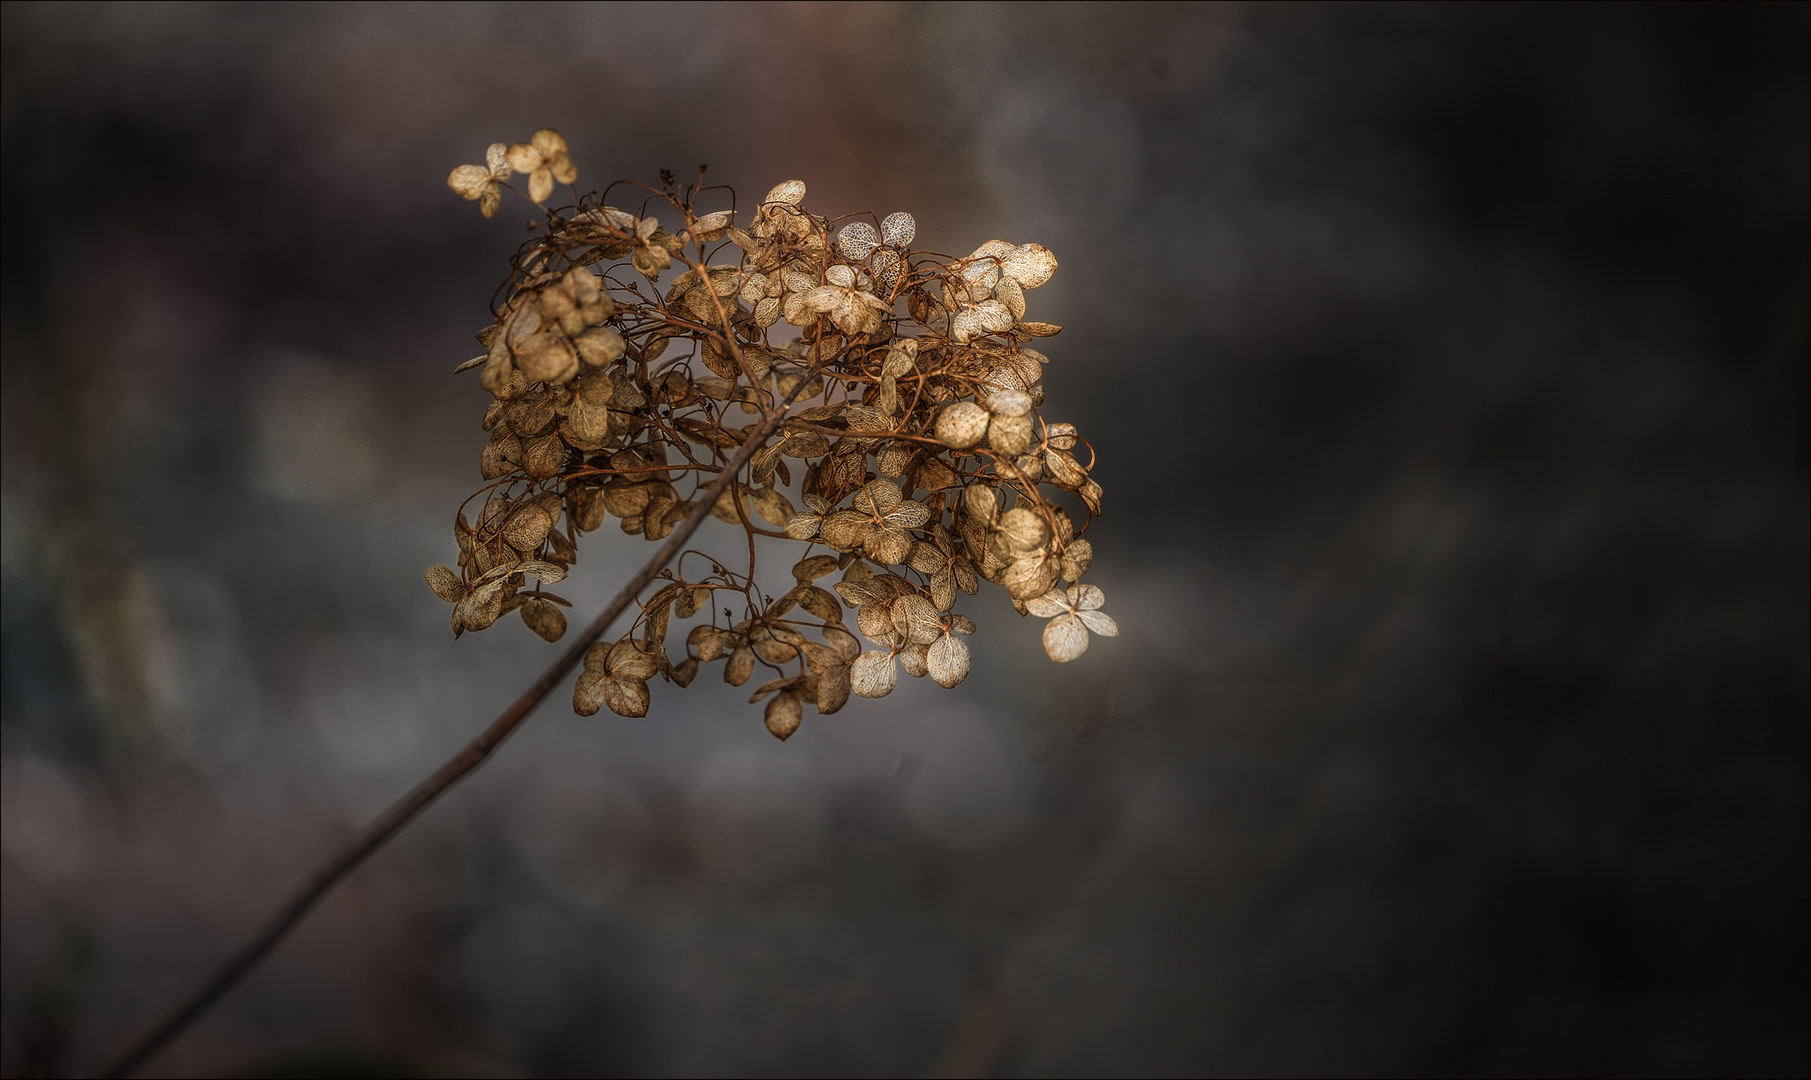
[{"x": 1448, "y": 368}]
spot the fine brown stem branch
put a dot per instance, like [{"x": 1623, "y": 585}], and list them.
[{"x": 410, "y": 806}]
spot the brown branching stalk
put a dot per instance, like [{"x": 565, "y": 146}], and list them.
[{"x": 595, "y": 415}]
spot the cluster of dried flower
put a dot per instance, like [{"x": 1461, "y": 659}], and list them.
[{"x": 924, "y": 467}]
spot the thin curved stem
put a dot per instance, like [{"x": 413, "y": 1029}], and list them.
[{"x": 424, "y": 794}]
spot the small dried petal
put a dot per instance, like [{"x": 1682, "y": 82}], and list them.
[
  {"x": 445, "y": 583},
  {"x": 783, "y": 716},
  {"x": 527, "y": 528},
  {"x": 1065, "y": 638},
  {"x": 948, "y": 660},
  {"x": 898, "y": 228},
  {"x": 874, "y": 674},
  {"x": 814, "y": 567},
  {"x": 1009, "y": 435},
  {"x": 626, "y": 696},
  {"x": 913, "y": 658},
  {"x": 833, "y": 686},
  {"x": 789, "y": 193},
  {"x": 741, "y": 665},
  {"x": 961, "y": 425},
  {"x": 544, "y": 619},
  {"x": 915, "y": 619},
  {"x": 1030, "y": 265},
  {"x": 857, "y": 241}
]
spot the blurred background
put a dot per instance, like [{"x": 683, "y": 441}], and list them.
[{"x": 1449, "y": 370}]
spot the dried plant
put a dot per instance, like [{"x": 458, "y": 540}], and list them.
[
  {"x": 615, "y": 397},
  {"x": 923, "y": 463}
]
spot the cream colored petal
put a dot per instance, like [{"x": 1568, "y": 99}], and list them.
[
  {"x": 876, "y": 624},
  {"x": 874, "y": 674},
  {"x": 549, "y": 573},
  {"x": 948, "y": 660},
  {"x": 630, "y": 661},
  {"x": 469, "y": 181},
  {"x": 496, "y": 161},
  {"x": 1099, "y": 622},
  {"x": 1049, "y": 605},
  {"x": 1008, "y": 294},
  {"x": 803, "y": 526},
  {"x": 564, "y": 170},
  {"x": 1086, "y": 597},
  {"x": 1065, "y": 638},
  {"x": 790, "y": 192},
  {"x": 523, "y": 158},
  {"x": 540, "y": 184},
  {"x": 840, "y": 275},
  {"x": 881, "y": 496},
  {"x": 908, "y": 515},
  {"x": 1023, "y": 530},
  {"x": 600, "y": 345},
  {"x": 845, "y": 530},
  {"x": 548, "y": 142},
  {"x": 888, "y": 545},
  {"x": 1009, "y": 435},
  {"x": 1008, "y": 403},
  {"x": 823, "y": 298},
  {"x": 898, "y": 228},
  {"x": 961, "y": 425},
  {"x": 492, "y": 202},
  {"x": 1030, "y": 265},
  {"x": 857, "y": 241}
]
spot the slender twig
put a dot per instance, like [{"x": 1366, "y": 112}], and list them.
[{"x": 410, "y": 806}]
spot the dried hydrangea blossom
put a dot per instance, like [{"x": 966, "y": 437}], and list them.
[{"x": 913, "y": 460}]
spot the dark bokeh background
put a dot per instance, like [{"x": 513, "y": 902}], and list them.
[{"x": 1449, "y": 367}]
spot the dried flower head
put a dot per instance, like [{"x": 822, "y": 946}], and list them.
[{"x": 912, "y": 459}]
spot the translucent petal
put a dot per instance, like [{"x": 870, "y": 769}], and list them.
[
  {"x": 1099, "y": 622},
  {"x": 790, "y": 192},
  {"x": 496, "y": 161},
  {"x": 948, "y": 660},
  {"x": 540, "y": 184},
  {"x": 840, "y": 276},
  {"x": 1049, "y": 605},
  {"x": 898, "y": 228},
  {"x": 1065, "y": 638},
  {"x": 874, "y": 674},
  {"x": 857, "y": 241},
  {"x": 1086, "y": 597}
]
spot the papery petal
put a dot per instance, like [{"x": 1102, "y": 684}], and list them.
[{"x": 1065, "y": 638}]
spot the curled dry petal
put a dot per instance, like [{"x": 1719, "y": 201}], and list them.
[{"x": 874, "y": 674}]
